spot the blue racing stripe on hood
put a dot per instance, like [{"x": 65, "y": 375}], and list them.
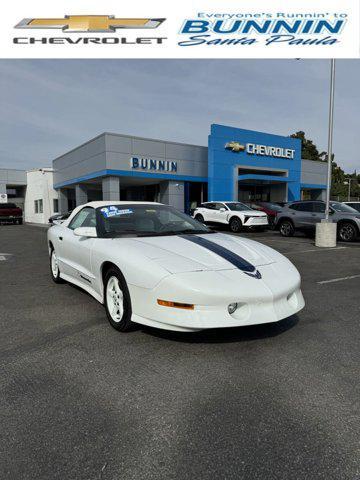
[{"x": 226, "y": 254}]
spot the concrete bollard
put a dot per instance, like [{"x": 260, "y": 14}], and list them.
[{"x": 326, "y": 234}]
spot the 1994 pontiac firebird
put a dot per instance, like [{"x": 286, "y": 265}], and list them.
[{"x": 150, "y": 264}]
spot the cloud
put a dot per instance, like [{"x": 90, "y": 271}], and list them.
[{"x": 50, "y": 106}]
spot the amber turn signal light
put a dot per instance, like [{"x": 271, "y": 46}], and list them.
[{"x": 166, "y": 303}]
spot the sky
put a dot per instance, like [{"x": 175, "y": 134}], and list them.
[{"x": 48, "y": 107}]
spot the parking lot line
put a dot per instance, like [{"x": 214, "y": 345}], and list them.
[
  {"x": 318, "y": 249},
  {"x": 340, "y": 279}
]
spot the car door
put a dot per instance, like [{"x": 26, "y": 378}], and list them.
[
  {"x": 304, "y": 218},
  {"x": 209, "y": 212},
  {"x": 221, "y": 213},
  {"x": 318, "y": 213},
  {"x": 76, "y": 251}
]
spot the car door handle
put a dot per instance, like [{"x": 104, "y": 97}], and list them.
[
  {"x": 60, "y": 238},
  {"x": 313, "y": 214}
]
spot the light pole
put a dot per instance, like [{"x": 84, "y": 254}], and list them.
[
  {"x": 330, "y": 138},
  {"x": 326, "y": 229},
  {"x": 348, "y": 182}
]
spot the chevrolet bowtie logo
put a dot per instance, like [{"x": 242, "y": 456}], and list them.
[
  {"x": 90, "y": 23},
  {"x": 235, "y": 146}
]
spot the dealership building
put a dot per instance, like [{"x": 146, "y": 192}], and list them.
[{"x": 237, "y": 164}]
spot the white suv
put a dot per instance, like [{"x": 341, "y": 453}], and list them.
[{"x": 234, "y": 214}]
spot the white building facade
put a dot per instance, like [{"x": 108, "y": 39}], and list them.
[{"x": 41, "y": 200}]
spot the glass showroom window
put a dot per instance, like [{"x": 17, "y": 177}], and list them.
[
  {"x": 56, "y": 205},
  {"x": 36, "y": 206}
]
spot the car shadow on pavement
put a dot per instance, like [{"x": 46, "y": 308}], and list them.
[{"x": 226, "y": 335}]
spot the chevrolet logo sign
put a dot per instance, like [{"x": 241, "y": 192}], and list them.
[
  {"x": 90, "y": 23},
  {"x": 235, "y": 146}
]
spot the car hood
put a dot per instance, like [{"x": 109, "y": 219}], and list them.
[
  {"x": 250, "y": 213},
  {"x": 177, "y": 254}
]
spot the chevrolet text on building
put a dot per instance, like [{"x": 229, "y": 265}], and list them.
[
  {"x": 264, "y": 150},
  {"x": 310, "y": 31}
]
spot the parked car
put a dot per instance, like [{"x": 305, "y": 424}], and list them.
[
  {"x": 304, "y": 215},
  {"x": 59, "y": 218},
  {"x": 10, "y": 213},
  {"x": 355, "y": 205},
  {"x": 151, "y": 264},
  {"x": 234, "y": 214},
  {"x": 271, "y": 209}
]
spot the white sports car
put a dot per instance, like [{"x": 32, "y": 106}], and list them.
[
  {"x": 150, "y": 264},
  {"x": 234, "y": 214}
]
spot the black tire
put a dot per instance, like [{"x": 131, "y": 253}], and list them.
[
  {"x": 55, "y": 276},
  {"x": 124, "y": 324},
  {"x": 20, "y": 222},
  {"x": 199, "y": 218},
  {"x": 347, "y": 232},
  {"x": 235, "y": 224},
  {"x": 287, "y": 228}
]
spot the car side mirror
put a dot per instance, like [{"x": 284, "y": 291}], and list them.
[
  {"x": 331, "y": 211},
  {"x": 222, "y": 209},
  {"x": 89, "y": 232}
]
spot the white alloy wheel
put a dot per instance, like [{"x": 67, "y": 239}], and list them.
[
  {"x": 115, "y": 299},
  {"x": 54, "y": 264}
]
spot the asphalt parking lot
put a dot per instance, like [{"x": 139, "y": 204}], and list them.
[{"x": 82, "y": 401}]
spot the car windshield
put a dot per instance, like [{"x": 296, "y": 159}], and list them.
[
  {"x": 145, "y": 220},
  {"x": 272, "y": 206},
  {"x": 238, "y": 206},
  {"x": 342, "y": 207}
]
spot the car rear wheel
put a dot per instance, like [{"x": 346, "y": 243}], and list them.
[
  {"x": 54, "y": 267},
  {"x": 117, "y": 301},
  {"x": 347, "y": 232},
  {"x": 199, "y": 218},
  {"x": 287, "y": 228},
  {"x": 235, "y": 224}
]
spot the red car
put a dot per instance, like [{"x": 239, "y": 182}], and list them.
[
  {"x": 271, "y": 209},
  {"x": 9, "y": 212}
]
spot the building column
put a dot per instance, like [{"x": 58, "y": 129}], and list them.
[
  {"x": 63, "y": 200},
  {"x": 111, "y": 188},
  {"x": 2, "y": 187},
  {"x": 80, "y": 194},
  {"x": 173, "y": 193}
]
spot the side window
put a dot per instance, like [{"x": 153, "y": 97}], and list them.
[
  {"x": 302, "y": 207},
  {"x": 210, "y": 206},
  {"x": 306, "y": 207},
  {"x": 85, "y": 218},
  {"x": 294, "y": 206},
  {"x": 319, "y": 207},
  {"x": 219, "y": 205}
]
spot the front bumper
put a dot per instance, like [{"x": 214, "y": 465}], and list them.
[
  {"x": 270, "y": 299},
  {"x": 256, "y": 222}
]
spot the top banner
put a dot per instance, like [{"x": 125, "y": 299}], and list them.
[{"x": 188, "y": 29}]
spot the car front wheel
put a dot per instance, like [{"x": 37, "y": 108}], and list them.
[
  {"x": 347, "y": 232},
  {"x": 54, "y": 267},
  {"x": 287, "y": 228},
  {"x": 235, "y": 224},
  {"x": 117, "y": 301},
  {"x": 199, "y": 218}
]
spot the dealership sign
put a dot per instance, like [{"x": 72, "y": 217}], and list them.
[
  {"x": 262, "y": 150},
  {"x": 153, "y": 165}
]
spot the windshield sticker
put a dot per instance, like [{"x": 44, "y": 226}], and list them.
[{"x": 113, "y": 211}]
